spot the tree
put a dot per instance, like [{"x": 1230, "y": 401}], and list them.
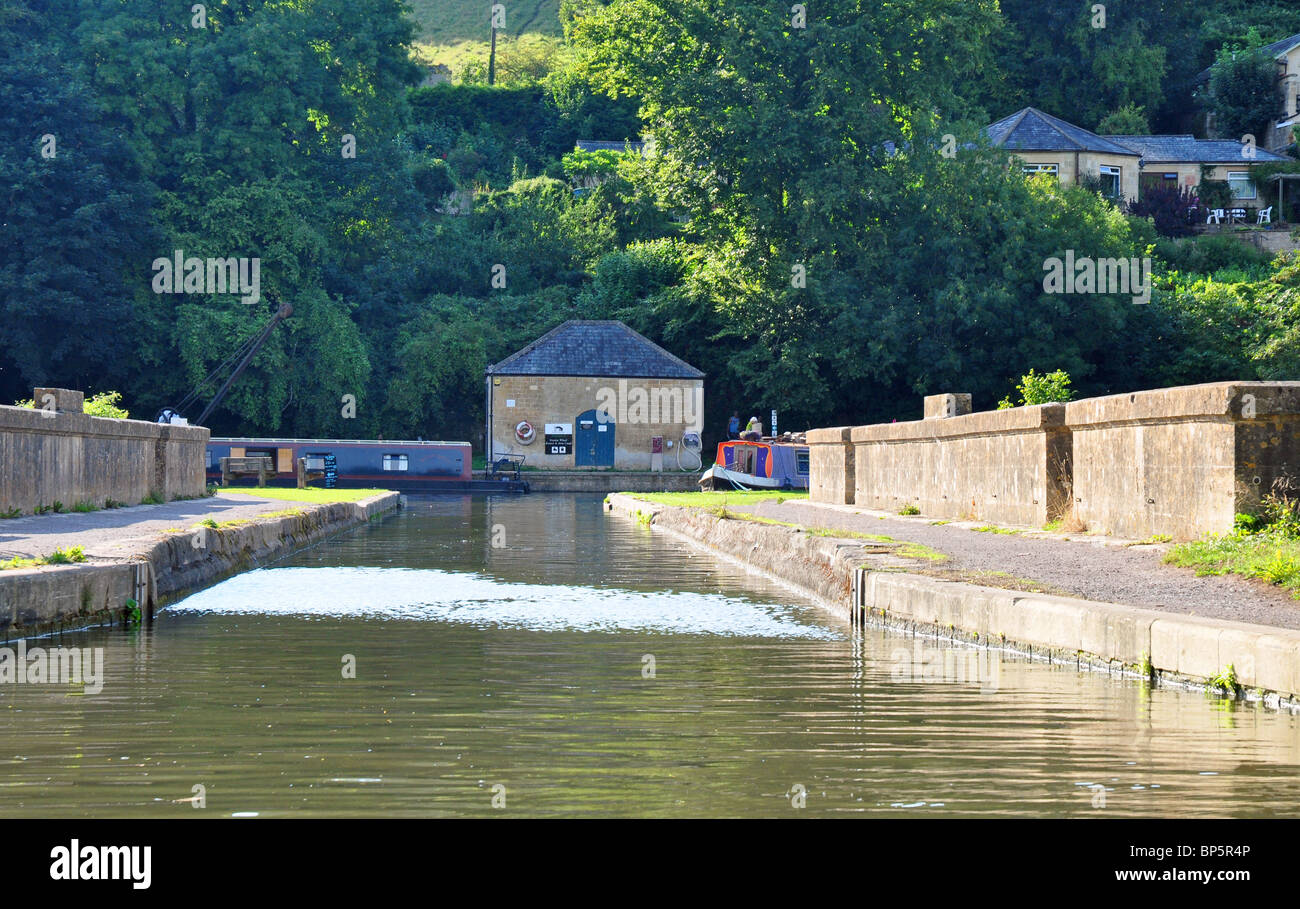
[
  {"x": 1129, "y": 120},
  {"x": 73, "y": 222},
  {"x": 1242, "y": 95}
]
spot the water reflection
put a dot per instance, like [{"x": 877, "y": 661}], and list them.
[{"x": 524, "y": 666}]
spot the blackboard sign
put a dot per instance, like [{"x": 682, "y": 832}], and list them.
[
  {"x": 331, "y": 472},
  {"x": 557, "y": 444}
]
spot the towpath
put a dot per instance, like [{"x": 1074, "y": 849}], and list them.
[
  {"x": 116, "y": 533},
  {"x": 1090, "y": 568}
]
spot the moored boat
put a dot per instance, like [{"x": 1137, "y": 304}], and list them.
[
  {"x": 758, "y": 464},
  {"x": 406, "y": 466}
]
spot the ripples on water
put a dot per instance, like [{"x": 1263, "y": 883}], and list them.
[{"x": 589, "y": 666}]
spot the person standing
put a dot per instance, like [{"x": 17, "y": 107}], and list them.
[{"x": 733, "y": 426}]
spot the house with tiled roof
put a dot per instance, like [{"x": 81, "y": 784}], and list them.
[
  {"x": 592, "y": 394},
  {"x": 1281, "y": 133},
  {"x": 1049, "y": 145},
  {"x": 1125, "y": 165}
]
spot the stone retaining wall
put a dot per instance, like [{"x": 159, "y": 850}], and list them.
[
  {"x": 830, "y": 459},
  {"x": 53, "y": 456},
  {"x": 1183, "y": 461},
  {"x": 1179, "y": 462},
  {"x": 861, "y": 586},
  {"x": 1004, "y": 466},
  {"x": 34, "y": 600}
]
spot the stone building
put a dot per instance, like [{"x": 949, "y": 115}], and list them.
[
  {"x": 592, "y": 394},
  {"x": 1126, "y": 166}
]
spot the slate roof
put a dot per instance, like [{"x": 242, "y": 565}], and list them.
[
  {"x": 604, "y": 349},
  {"x": 1190, "y": 150},
  {"x": 1274, "y": 50},
  {"x": 1032, "y": 130}
]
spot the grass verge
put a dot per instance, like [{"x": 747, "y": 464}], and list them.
[{"x": 1269, "y": 557}]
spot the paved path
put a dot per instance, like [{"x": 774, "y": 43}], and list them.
[
  {"x": 1092, "y": 569},
  {"x": 114, "y": 533}
]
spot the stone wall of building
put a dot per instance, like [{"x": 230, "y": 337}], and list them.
[{"x": 640, "y": 410}]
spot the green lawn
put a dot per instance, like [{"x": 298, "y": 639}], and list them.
[
  {"x": 1270, "y": 557},
  {"x": 312, "y": 495},
  {"x": 713, "y": 499}
]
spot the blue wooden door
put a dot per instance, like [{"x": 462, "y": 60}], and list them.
[{"x": 593, "y": 441}]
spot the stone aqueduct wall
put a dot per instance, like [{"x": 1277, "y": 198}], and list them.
[
  {"x": 63, "y": 455},
  {"x": 1177, "y": 461}
]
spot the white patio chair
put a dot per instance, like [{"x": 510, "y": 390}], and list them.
[
  {"x": 1237, "y": 216},
  {"x": 1215, "y": 215},
  {"x": 1265, "y": 216}
]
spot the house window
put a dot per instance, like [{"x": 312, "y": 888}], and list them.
[
  {"x": 395, "y": 462},
  {"x": 1242, "y": 188},
  {"x": 315, "y": 461},
  {"x": 1110, "y": 181},
  {"x": 1032, "y": 169}
]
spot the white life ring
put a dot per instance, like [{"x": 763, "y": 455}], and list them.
[{"x": 525, "y": 433}]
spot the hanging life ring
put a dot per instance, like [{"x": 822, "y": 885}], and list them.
[{"x": 524, "y": 432}]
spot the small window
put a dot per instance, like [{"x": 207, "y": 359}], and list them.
[
  {"x": 395, "y": 462},
  {"x": 801, "y": 462},
  {"x": 207, "y": 457},
  {"x": 1040, "y": 169},
  {"x": 1242, "y": 188},
  {"x": 1110, "y": 181},
  {"x": 315, "y": 461}
]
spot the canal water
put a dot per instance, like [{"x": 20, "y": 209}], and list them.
[{"x": 536, "y": 656}]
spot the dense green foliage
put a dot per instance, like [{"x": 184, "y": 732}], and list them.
[
  {"x": 796, "y": 231},
  {"x": 1040, "y": 389}
]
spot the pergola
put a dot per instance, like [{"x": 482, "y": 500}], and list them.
[{"x": 1281, "y": 180}]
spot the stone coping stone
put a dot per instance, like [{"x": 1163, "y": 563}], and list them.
[
  {"x": 26, "y": 419},
  {"x": 835, "y": 435},
  {"x": 1039, "y": 417},
  {"x": 1213, "y": 400}
]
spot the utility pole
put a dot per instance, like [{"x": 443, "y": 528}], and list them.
[{"x": 492, "y": 55}]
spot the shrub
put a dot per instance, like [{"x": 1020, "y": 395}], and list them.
[
  {"x": 103, "y": 404},
  {"x": 1041, "y": 389},
  {"x": 1167, "y": 208},
  {"x": 1211, "y": 253}
]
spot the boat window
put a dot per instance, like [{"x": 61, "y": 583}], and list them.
[
  {"x": 394, "y": 462},
  {"x": 744, "y": 459},
  {"x": 207, "y": 457},
  {"x": 315, "y": 460},
  {"x": 261, "y": 453},
  {"x": 801, "y": 462}
]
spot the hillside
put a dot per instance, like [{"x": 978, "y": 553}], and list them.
[{"x": 444, "y": 22}]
